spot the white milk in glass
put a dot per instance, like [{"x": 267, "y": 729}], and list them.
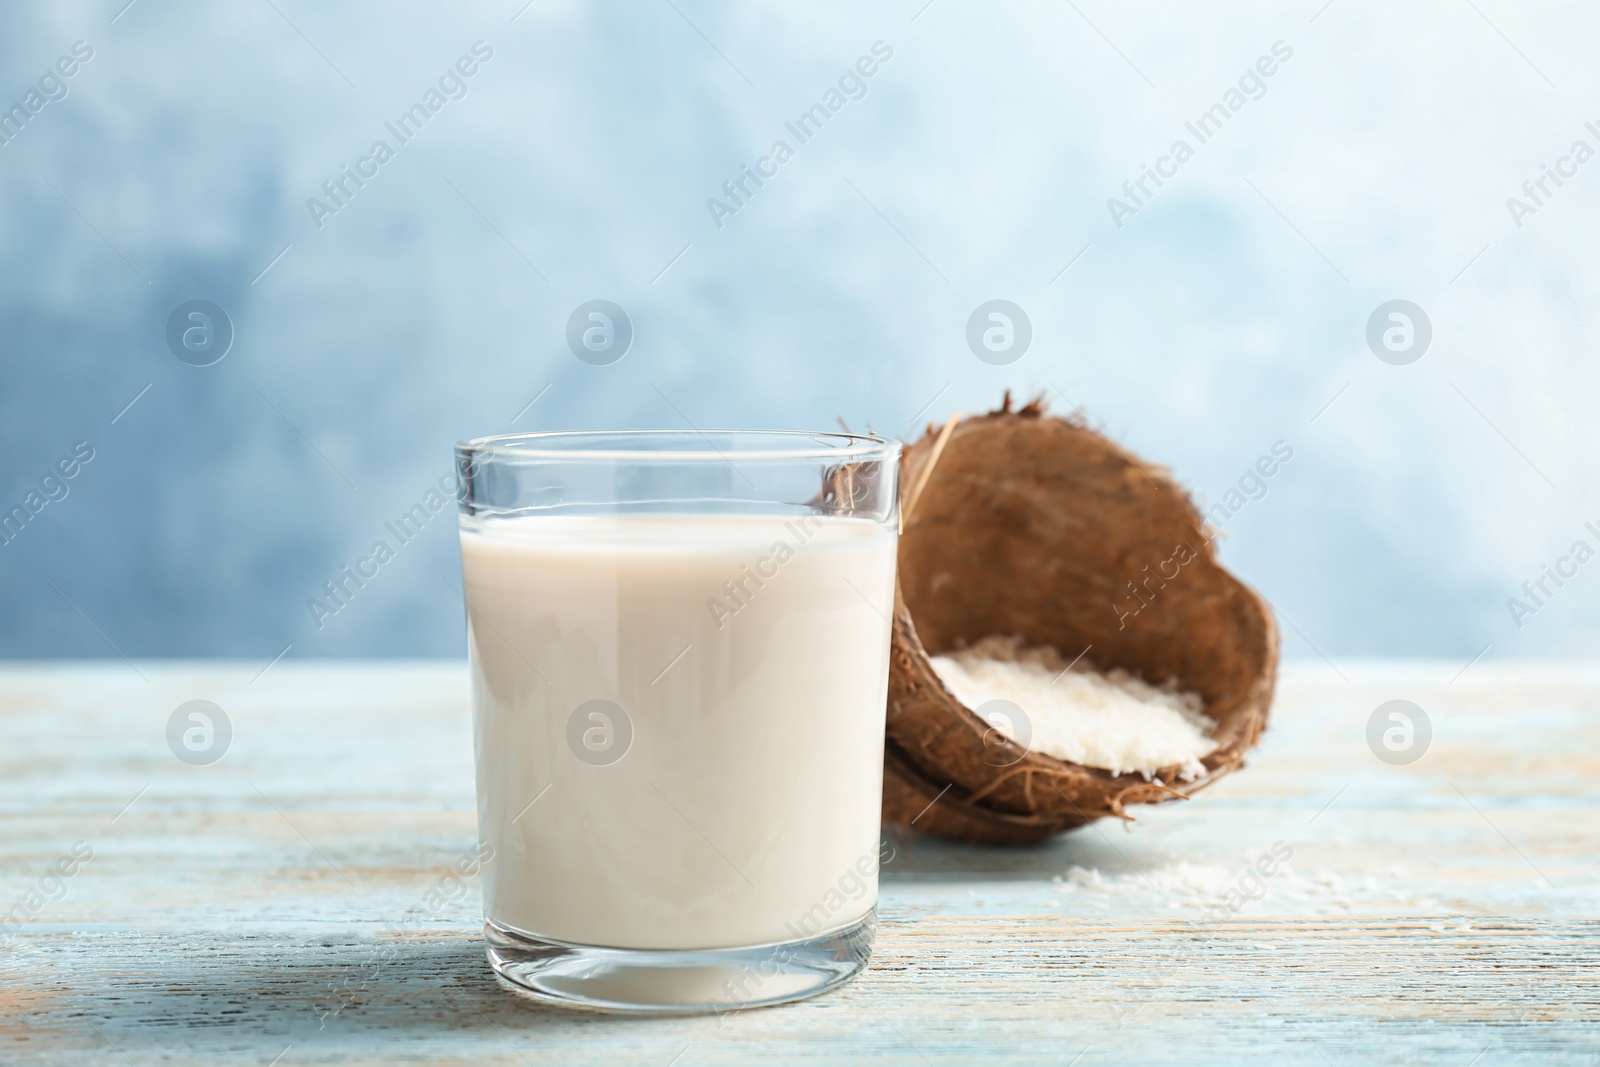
[{"x": 734, "y": 800}]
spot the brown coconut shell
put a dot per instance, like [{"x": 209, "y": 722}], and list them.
[{"x": 1039, "y": 526}]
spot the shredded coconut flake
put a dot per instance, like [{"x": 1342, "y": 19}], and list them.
[
  {"x": 1181, "y": 879},
  {"x": 1114, "y": 721},
  {"x": 1199, "y": 885}
]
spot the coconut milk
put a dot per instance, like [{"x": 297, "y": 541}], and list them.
[{"x": 679, "y": 724}]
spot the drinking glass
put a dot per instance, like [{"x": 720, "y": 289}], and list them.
[{"x": 679, "y": 648}]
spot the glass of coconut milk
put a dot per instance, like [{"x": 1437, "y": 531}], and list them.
[{"x": 679, "y": 646}]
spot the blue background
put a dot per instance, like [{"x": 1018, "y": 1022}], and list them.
[{"x": 1227, "y": 314}]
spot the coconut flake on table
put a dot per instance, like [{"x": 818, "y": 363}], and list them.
[
  {"x": 1184, "y": 884},
  {"x": 1114, "y": 721}
]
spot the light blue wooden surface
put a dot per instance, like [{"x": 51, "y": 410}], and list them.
[{"x": 254, "y": 908}]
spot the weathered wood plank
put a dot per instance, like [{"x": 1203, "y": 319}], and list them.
[{"x": 257, "y": 907}]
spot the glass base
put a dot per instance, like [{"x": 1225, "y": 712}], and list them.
[{"x": 678, "y": 982}]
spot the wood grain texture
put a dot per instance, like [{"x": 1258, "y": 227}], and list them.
[{"x": 258, "y": 907}]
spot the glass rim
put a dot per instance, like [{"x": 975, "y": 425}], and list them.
[{"x": 525, "y": 445}]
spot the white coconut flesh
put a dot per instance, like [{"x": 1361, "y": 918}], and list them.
[{"x": 1112, "y": 720}]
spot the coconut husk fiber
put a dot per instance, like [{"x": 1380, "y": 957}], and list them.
[{"x": 1018, "y": 522}]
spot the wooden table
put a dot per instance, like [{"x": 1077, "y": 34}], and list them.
[{"x": 253, "y": 911}]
